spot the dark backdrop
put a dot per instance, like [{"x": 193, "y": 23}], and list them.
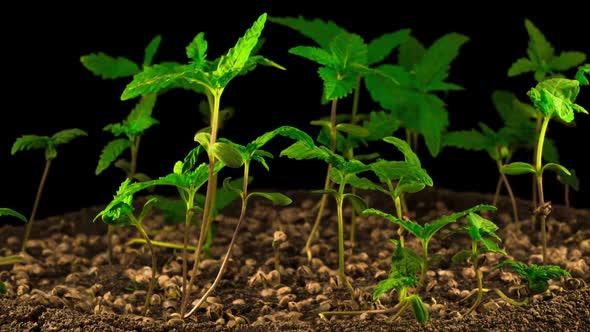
[{"x": 46, "y": 89}]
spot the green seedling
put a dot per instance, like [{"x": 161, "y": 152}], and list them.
[
  {"x": 553, "y": 98},
  {"x": 517, "y": 132},
  {"x": 483, "y": 240},
  {"x": 49, "y": 144},
  {"x": 345, "y": 59},
  {"x": 426, "y": 232},
  {"x": 401, "y": 177},
  {"x": 536, "y": 276},
  {"x": 120, "y": 213},
  {"x": 9, "y": 260},
  {"x": 409, "y": 89},
  {"x": 246, "y": 154},
  {"x": 542, "y": 60},
  {"x": 405, "y": 266},
  {"x": 210, "y": 78},
  {"x": 343, "y": 173}
]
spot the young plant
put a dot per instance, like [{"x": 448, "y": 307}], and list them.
[
  {"x": 536, "y": 276},
  {"x": 405, "y": 266},
  {"x": 553, "y": 98},
  {"x": 345, "y": 59},
  {"x": 542, "y": 60},
  {"x": 401, "y": 177},
  {"x": 409, "y": 89},
  {"x": 211, "y": 78},
  {"x": 246, "y": 154},
  {"x": 120, "y": 213},
  {"x": 426, "y": 232},
  {"x": 343, "y": 173},
  {"x": 49, "y": 144},
  {"x": 483, "y": 240}
]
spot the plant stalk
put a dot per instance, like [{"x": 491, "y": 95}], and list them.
[
  {"x": 35, "y": 206},
  {"x": 511, "y": 301},
  {"x": 154, "y": 267},
  {"x": 479, "y": 276},
  {"x": 541, "y": 197},
  {"x": 340, "y": 202},
  {"x": 504, "y": 179}
]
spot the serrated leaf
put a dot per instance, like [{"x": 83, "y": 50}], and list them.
[
  {"x": 108, "y": 67},
  {"x": 232, "y": 63},
  {"x": 539, "y": 48},
  {"x": 66, "y": 135},
  {"x": 410, "y": 53},
  {"x": 12, "y": 213},
  {"x": 227, "y": 154},
  {"x": 394, "y": 170},
  {"x": 384, "y": 286},
  {"x": 556, "y": 96},
  {"x": 468, "y": 140},
  {"x": 301, "y": 151},
  {"x": 197, "y": 49},
  {"x": 285, "y": 131},
  {"x": 315, "y": 54},
  {"x": 380, "y": 125},
  {"x": 379, "y": 48},
  {"x": 461, "y": 256},
  {"x": 406, "y": 185},
  {"x": 110, "y": 153},
  {"x": 321, "y": 32},
  {"x": 518, "y": 168},
  {"x": 336, "y": 85},
  {"x": 143, "y": 108},
  {"x": 433, "y": 227},
  {"x": 151, "y": 50},
  {"x": 409, "y": 225},
  {"x": 567, "y": 60},
  {"x": 361, "y": 183},
  {"x": 438, "y": 57},
  {"x": 275, "y": 198},
  {"x": 30, "y": 142}
]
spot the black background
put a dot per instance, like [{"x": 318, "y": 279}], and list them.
[{"x": 46, "y": 89}]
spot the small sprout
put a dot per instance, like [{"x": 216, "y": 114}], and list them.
[
  {"x": 536, "y": 276},
  {"x": 49, "y": 144},
  {"x": 278, "y": 238}
]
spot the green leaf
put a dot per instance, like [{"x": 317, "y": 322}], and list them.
[
  {"x": 570, "y": 179},
  {"x": 357, "y": 202},
  {"x": 539, "y": 49},
  {"x": 315, "y": 54},
  {"x": 518, "y": 168},
  {"x": 408, "y": 185},
  {"x": 227, "y": 154},
  {"x": 433, "y": 227},
  {"x": 12, "y": 213},
  {"x": 197, "y": 49},
  {"x": 536, "y": 276},
  {"x": 353, "y": 130},
  {"x": 380, "y": 47},
  {"x": 403, "y": 147},
  {"x": 285, "y": 131},
  {"x": 276, "y": 198},
  {"x": 420, "y": 311},
  {"x": 109, "y": 67},
  {"x": 3, "y": 288},
  {"x": 336, "y": 85},
  {"x": 110, "y": 153},
  {"x": 567, "y": 60},
  {"x": 583, "y": 71},
  {"x": 556, "y": 96},
  {"x": 232, "y": 63},
  {"x": 468, "y": 140},
  {"x": 410, "y": 53},
  {"x": 385, "y": 286},
  {"x": 143, "y": 109},
  {"x": 361, "y": 183},
  {"x": 321, "y": 32},
  {"x": 66, "y": 135},
  {"x": 30, "y": 142},
  {"x": 409, "y": 225},
  {"x": 151, "y": 50},
  {"x": 379, "y": 125},
  {"x": 203, "y": 138},
  {"x": 232, "y": 187},
  {"x": 438, "y": 58},
  {"x": 557, "y": 168},
  {"x": 301, "y": 151},
  {"x": 521, "y": 66}
]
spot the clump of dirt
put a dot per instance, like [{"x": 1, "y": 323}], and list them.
[{"x": 66, "y": 283}]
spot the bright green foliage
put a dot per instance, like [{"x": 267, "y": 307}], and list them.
[
  {"x": 321, "y": 32},
  {"x": 583, "y": 71},
  {"x": 201, "y": 74},
  {"x": 541, "y": 59},
  {"x": 12, "y": 213},
  {"x": 109, "y": 67},
  {"x": 483, "y": 233},
  {"x": 408, "y": 89},
  {"x": 537, "y": 276},
  {"x": 570, "y": 179},
  {"x": 48, "y": 143},
  {"x": 556, "y": 97},
  {"x": 137, "y": 122},
  {"x": 425, "y": 232}
]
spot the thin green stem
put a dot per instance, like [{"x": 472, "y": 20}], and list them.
[
  {"x": 162, "y": 244},
  {"x": 187, "y": 222},
  {"x": 318, "y": 218},
  {"x": 541, "y": 197},
  {"x": 339, "y": 202},
  {"x": 154, "y": 267},
  {"x": 504, "y": 179},
  {"x": 497, "y": 192},
  {"x": 511, "y": 301},
  {"x": 35, "y": 206},
  {"x": 479, "y": 276},
  {"x": 231, "y": 244},
  {"x": 425, "y": 263},
  {"x": 398, "y": 209}
]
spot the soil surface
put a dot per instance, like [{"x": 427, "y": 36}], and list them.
[{"x": 66, "y": 283}]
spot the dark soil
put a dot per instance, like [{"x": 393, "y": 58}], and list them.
[{"x": 66, "y": 284}]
